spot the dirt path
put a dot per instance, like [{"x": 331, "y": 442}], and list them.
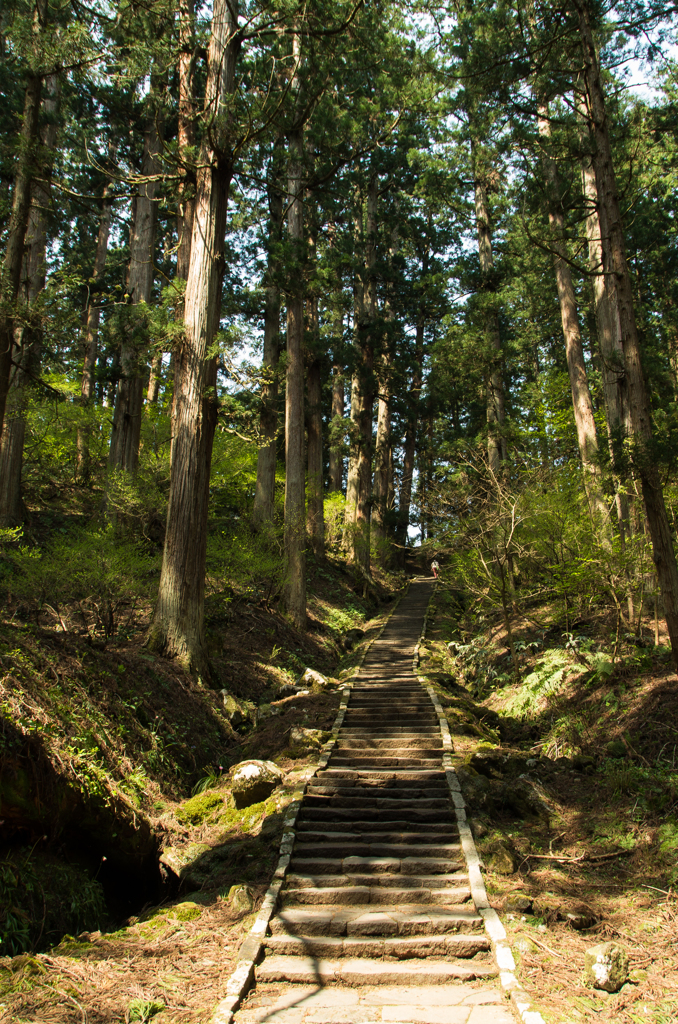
[{"x": 376, "y": 921}]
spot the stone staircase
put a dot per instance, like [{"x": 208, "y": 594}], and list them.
[{"x": 377, "y": 892}]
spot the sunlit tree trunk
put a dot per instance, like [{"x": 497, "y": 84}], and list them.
[
  {"x": 295, "y": 519},
  {"x": 129, "y": 399},
  {"x": 359, "y": 485},
  {"x": 612, "y": 234},
  {"x": 496, "y": 445},
  {"x": 264, "y": 496},
  {"x": 338, "y": 409},
  {"x": 411, "y": 430},
  {"x": 315, "y": 512},
  {"x": 29, "y": 339},
  {"x": 574, "y": 350},
  {"x": 383, "y": 462},
  {"x": 178, "y": 623}
]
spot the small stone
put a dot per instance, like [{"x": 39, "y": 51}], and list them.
[
  {"x": 579, "y": 920},
  {"x": 518, "y": 903},
  {"x": 254, "y": 781},
  {"x": 637, "y": 975},
  {"x": 606, "y": 967},
  {"x": 241, "y": 898},
  {"x": 531, "y": 762}
]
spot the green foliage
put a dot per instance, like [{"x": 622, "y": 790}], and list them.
[
  {"x": 334, "y": 506},
  {"x": 89, "y": 576},
  {"x": 547, "y": 679},
  {"x": 140, "y": 1011},
  {"x": 41, "y": 899}
]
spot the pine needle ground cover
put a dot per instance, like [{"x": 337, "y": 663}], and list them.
[{"x": 569, "y": 774}]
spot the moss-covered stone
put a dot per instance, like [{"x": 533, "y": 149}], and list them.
[
  {"x": 196, "y": 810},
  {"x": 186, "y": 911}
]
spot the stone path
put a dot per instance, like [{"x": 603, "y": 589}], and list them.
[{"x": 375, "y": 920}]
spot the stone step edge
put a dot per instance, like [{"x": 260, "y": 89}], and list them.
[
  {"x": 496, "y": 932},
  {"x": 242, "y": 978}
]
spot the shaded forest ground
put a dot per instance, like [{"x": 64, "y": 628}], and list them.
[
  {"x": 119, "y": 831},
  {"x": 570, "y": 779}
]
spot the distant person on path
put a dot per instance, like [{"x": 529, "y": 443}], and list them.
[{"x": 434, "y": 569}]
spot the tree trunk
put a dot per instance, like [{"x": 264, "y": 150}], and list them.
[
  {"x": 126, "y": 429},
  {"x": 178, "y": 624},
  {"x": 413, "y": 402},
  {"x": 264, "y": 497},
  {"x": 336, "y": 456},
  {"x": 14, "y": 248},
  {"x": 496, "y": 444},
  {"x": 186, "y": 136},
  {"x": 315, "y": 511},
  {"x": 295, "y": 524},
  {"x": 383, "y": 461},
  {"x": 30, "y": 337},
  {"x": 612, "y": 234},
  {"x": 574, "y": 350},
  {"x": 359, "y": 486}
]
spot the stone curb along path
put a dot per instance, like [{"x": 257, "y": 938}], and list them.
[
  {"x": 242, "y": 978},
  {"x": 493, "y": 926}
]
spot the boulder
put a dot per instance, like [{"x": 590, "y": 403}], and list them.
[
  {"x": 499, "y": 858},
  {"x": 241, "y": 898},
  {"x": 234, "y": 713},
  {"x": 254, "y": 781},
  {"x": 301, "y": 737},
  {"x": 615, "y": 748},
  {"x": 310, "y": 678},
  {"x": 606, "y": 967},
  {"x": 518, "y": 904}
]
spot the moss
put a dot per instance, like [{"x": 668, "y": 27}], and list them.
[
  {"x": 198, "y": 808},
  {"x": 186, "y": 911}
]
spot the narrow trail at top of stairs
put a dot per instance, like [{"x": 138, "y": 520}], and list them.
[{"x": 376, "y": 903}]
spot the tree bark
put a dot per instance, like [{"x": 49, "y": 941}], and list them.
[
  {"x": 178, "y": 624},
  {"x": 27, "y": 351},
  {"x": 338, "y": 400},
  {"x": 612, "y": 234},
  {"x": 186, "y": 136},
  {"x": 295, "y": 519},
  {"x": 574, "y": 350},
  {"x": 410, "y": 452},
  {"x": 358, "y": 503},
  {"x": 314, "y": 446},
  {"x": 264, "y": 497},
  {"x": 383, "y": 461},
  {"x": 126, "y": 430},
  {"x": 495, "y": 404},
  {"x": 14, "y": 249}
]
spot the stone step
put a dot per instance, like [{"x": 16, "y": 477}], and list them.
[
  {"x": 402, "y": 948},
  {"x": 410, "y": 815},
  {"x": 398, "y": 776},
  {"x": 383, "y": 762},
  {"x": 352, "y": 894},
  {"x": 413, "y": 919},
  {"x": 361, "y": 971},
  {"x": 392, "y": 732},
  {"x": 398, "y": 851},
  {"x": 417, "y": 746},
  {"x": 377, "y": 791},
  {"x": 365, "y": 800},
  {"x": 459, "y": 879},
  {"x": 374, "y": 865},
  {"x": 385, "y": 832}
]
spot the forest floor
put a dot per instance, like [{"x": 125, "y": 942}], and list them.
[
  {"x": 143, "y": 753},
  {"x": 571, "y": 784}
]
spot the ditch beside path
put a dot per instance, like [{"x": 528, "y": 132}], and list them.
[{"x": 375, "y": 921}]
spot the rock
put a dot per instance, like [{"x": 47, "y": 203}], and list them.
[
  {"x": 352, "y": 637},
  {"x": 241, "y": 898},
  {"x": 287, "y": 690},
  {"x": 195, "y": 810},
  {"x": 304, "y": 738},
  {"x": 265, "y": 711},
  {"x": 234, "y": 713},
  {"x": 531, "y": 762},
  {"x": 527, "y": 798},
  {"x": 523, "y": 944},
  {"x": 499, "y": 858},
  {"x": 254, "y": 781},
  {"x": 606, "y": 967},
  {"x": 519, "y": 904},
  {"x": 583, "y": 762},
  {"x": 181, "y": 861},
  {"x": 580, "y": 919},
  {"x": 310, "y": 678},
  {"x": 475, "y": 789},
  {"x": 615, "y": 748}
]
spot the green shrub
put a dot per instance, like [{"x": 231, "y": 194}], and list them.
[{"x": 41, "y": 900}]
